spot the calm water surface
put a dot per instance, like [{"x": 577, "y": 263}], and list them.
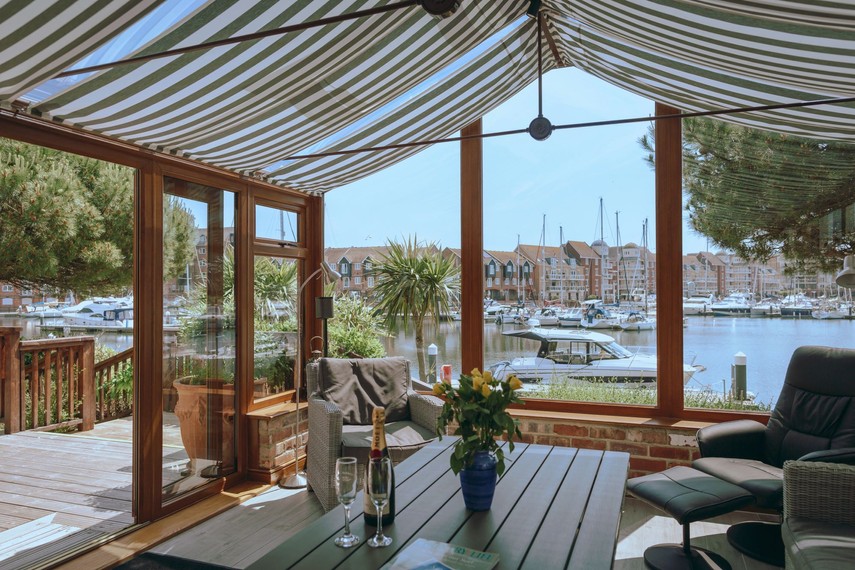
[{"x": 709, "y": 341}]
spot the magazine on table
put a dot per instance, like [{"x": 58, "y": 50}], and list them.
[{"x": 431, "y": 555}]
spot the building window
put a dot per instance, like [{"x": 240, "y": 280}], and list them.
[
  {"x": 26, "y": 292},
  {"x": 371, "y": 282},
  {"x": 203, "y": 250},
  {"x": 8, "y": 289},
  {"x": 357, "y": 266},
  {"x": 357, "y": 280},
  {"x": 345, "y": 282},
  {"x": 489, "y": 282},
  {"x": 203, "y": 263}
]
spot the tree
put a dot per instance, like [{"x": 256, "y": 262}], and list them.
[
  {"x": 760, "y": 193},
  {"x": 355, "y": 330},
  {"x": 66, "y": 221},
  {"x": 412, "y": 282}
]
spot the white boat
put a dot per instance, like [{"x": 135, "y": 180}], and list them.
[
  {"x": 734, "y": 305},
  {"x": 543, "y": 318},
  {"x": 571, "y": 318},
  {"x": 101, "y": 313},
  {"x": 831, "y": 311},
  {"x": 766, "y": 308},
  {"x": 598, "y": 317},
  {"x": 40, "y": 312},
  {"x": 511, "y": 315},
  {"x": 797, "y": 306},
  {"x": 579, "y": 354},
  {"x": 698, "y": 304},
  {"x": 636, "y": 321}
]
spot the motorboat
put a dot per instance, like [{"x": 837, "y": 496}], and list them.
[
  {"x": 580, "y": 354},
  {"x": 734, "y": 305},
  {"x": 636, "y": 321},
  {"x": 829, "y": 311},
  {"x": 598, "y": 316},
  {"x": 40, "y": 311},
  {"x": 101, "y": 313},
  {"x": 766, "y": 308},
  {"x": 571, "y": 318},
  {"x": 546, "y": 317},
  {"x": 698, "y": 304},
  {"x": 516, "y": 314},
  {"x": 797, "y": 306}
]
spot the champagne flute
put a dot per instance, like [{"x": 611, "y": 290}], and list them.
[
  {"x": 345, "y": 488},
  {"x": 379, "y": 489}
]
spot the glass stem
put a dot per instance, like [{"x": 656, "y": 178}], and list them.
[
  {"x": 347, "y": 520},
  {"x": 379, "y": 507}
]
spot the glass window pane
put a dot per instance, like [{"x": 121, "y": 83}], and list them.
[
  {"x": 199, "y": 335},
  {"x": 571, "y": 310},
  {"x": 769, "y": 219},
  {"x": 276, "y": 224},
  {"x": 275, "y": 324}
]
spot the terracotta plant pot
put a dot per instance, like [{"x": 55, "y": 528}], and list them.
[{"x": 205, "y": 415}]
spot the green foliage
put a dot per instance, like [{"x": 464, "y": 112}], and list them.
[
  {"x": 641, "y": 395},
  {"x": 354, "y": 330},
  {"x": 479, "y": 406},
  {"x": 65, "y": 221},
  {"x": 760, "y": 194},
  {"x": 414, "y": 281}
]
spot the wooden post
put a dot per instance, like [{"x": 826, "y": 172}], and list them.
[
  {"x": 87, "y": 383},
  {"x": 472, "y": 247},
  {"x": 669, "y": 253},
  {"x": 13, "y": 396}
]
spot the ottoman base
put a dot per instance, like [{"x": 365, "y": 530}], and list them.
[{"x": 674, "y": 557}]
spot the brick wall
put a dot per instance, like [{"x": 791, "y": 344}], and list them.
[
  {"x": 276, "y": 442},
  {"x": 652, "y": 448}
]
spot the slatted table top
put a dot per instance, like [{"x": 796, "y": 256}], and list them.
[{"x": 555, "y": 507}]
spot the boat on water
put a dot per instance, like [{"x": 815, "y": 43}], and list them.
[
  {"x": 766, "y": 308},
  {"x": 40, "y": 311},
  {"x": 597, "y": 316},
  {"x": 736, "y": 304},
  {"x": 579, "y": 354},
  {"x": 832, "y": 311},
  {"x": 515, "y": 314},
  {"x": 546, "y": 317},
  {"x": 637, "y": 321},
  {"x": 698, "y": 304},
  {"x": 102, "y": 313},
  {"x": 797, "y": 306},
  {"x": 571, "y": 318}
]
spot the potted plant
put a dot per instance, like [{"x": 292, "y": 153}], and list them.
[
  {"x": 478, "y": 404},
  {"x": 205, "y": 390}
]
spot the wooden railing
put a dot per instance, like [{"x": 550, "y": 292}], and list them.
[
  {"x": 47, "y": 383},
  {"x": 114, "y": 386}
]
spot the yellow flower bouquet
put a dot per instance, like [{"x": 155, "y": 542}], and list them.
[{"x": 479, "y": 406}]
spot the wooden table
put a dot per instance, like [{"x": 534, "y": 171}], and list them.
[{"x": 555, "y": 507}]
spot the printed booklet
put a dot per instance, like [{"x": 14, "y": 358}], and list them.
[{"x": 431, "y": 555}]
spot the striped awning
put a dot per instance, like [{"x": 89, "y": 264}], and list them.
[{"x": 403, "y": 76}]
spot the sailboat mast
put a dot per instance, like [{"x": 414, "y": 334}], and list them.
[
  {"x": 543, "y": 264},
  {"x": 619, "y": 261},
  {"x": 644, "y": 244},
  {"x": 561, "y": 265},
  {"x": 602, "y": 257},
  {"x": 519, "y": 272}
]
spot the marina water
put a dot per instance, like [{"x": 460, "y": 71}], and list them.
[{"x": 708, "y": 341}]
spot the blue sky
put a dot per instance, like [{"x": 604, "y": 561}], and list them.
[{"x": 562, "y": 177}]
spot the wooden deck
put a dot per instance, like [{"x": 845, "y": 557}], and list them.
[{"x": 60, "y": 490}]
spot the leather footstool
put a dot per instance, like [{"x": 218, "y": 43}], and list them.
[{"x": 687, "y": 495}]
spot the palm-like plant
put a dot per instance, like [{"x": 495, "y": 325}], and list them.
[{"x": 414, "y": 281}]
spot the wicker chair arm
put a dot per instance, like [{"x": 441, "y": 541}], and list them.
[
  {"x": 325, "y": 421},
  {"x": 425, "y": 410},
  {"x": 819, "y": 491}
]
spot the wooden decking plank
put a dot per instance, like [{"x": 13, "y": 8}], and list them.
[
  {"x": 70, "y": 497},
  {"x": 519, "y": 529},
  {"x": 32, "y": 557},
  {"x": 554, "y": 540},
  {"x": 51, "y": 506},
  {"x": 8, "y": 521},
  {"x": 68, "y": 473},
  {"x": 597, "y": 540},
  {"x": 95, "y": 488}
]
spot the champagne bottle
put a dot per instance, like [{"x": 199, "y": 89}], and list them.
[{"x": 378, "y": 451}]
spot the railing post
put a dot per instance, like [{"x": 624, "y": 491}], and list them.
[
  {"x": 87, "y": 385},
  {"x": 13, "y": 396}
]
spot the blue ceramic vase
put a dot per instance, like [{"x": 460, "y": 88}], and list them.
[{"x": 478, "y": 481}]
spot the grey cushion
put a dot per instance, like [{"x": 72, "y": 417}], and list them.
[
  {"x": 402, "y": 439},
  {"x": 764, "y": 481},
  {"x": 357, "y": 386},
  {"x": 820, "y": 545}
]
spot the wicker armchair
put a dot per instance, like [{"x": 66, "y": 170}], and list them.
[
  {"x": 819, "y": 515},
  {"x": 342, "y": 395}
]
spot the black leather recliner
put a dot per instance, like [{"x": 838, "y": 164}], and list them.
[{"x": 813, "y": 420}]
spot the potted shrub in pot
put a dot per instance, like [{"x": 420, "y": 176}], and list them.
[{"x": 479, "y": 406}]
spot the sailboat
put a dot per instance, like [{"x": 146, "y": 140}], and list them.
[{"x": 637, "y": 320}]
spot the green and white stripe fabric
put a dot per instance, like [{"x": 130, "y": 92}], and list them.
[
  {"x": 392, "y": 78},
  {"x": 464, "y": 96},
  {"x": 40, "y": 38},
  {"x": 709, "y": 55},
  {"x": 249, "y": 105}
]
